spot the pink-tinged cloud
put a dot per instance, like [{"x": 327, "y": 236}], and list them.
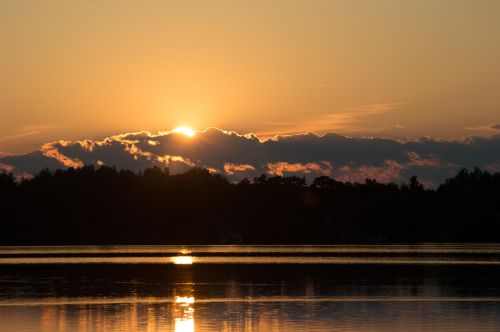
[
  {"x": 6, "y": 168},
  {"x": 432, "y": 161},
  {"x": 493, "y": 167},
  {"x": 238, "y": 156},
  {"x": 284, "y": 168},
  {"x": 390, "y": 171},
  {"x": 231, "y": 169}
]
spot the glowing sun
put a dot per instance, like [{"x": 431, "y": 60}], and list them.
[{"x": 185, "y": 131}]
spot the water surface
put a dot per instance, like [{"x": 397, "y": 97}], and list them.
[{"x": 254, "y": 288}]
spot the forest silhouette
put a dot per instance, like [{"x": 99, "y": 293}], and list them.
[{"x": 104, "y": 205}]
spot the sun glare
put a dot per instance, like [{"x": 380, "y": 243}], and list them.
[
  {"x": 182, "y": 260},
  {"x": 185, "y": 131}
]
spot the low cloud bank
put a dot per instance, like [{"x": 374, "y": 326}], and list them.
[{"x": 239, "y": 156}]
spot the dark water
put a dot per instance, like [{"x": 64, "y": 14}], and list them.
[{"x": 253, "y": 288}]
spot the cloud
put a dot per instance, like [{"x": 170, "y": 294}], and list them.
[
  {"x": 26, "y": 132},
  {"x": 389, "y": 171},
  {"x": 30, "y": 163},
  {"x": 337, "y": 120},
  {"x": 6, "y": 168},
  {"x": 238, "y": 156},
  {"x": 488, "y": 127},
  {"x": 284, "y": 168},
  {"x": 231, "y": 169},
  {"x": 49, "y": 150}
]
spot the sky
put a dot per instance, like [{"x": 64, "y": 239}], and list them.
[
  {"x": 401, "y": 70},
  {"x": 396, "y": 69}
]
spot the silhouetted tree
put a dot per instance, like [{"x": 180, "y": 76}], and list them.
[{"x": 104, "y": 205}]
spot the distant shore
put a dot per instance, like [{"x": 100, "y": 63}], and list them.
[{"x": 98, "y": 206}]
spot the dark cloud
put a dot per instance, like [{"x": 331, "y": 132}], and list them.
[
  {"x": 30, "y": 163},
  {"x": 495, "y": 126},
  {"x": 238, "y": 156}
]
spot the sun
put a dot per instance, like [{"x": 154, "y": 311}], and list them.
[{"x": 185, "y": 131}]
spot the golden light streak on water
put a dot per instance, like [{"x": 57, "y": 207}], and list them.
[
  {"x": 182, "y": 260},
  {"x": 184, "y": 320}
]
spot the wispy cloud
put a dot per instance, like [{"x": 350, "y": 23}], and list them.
[
  {"x": 487, "y": 127},
  {"x": 336, "y": 120},
  {"x": 26, "y": 131}
]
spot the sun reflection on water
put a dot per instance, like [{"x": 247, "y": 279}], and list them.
[
  {"x": 184, "y": 300},
  {"x": 182, "y": 260},
  {"x": 184, "y": 314}
]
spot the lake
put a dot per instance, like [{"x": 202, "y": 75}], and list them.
[{"x": 428, "y": 287}]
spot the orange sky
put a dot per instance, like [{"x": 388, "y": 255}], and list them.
[{"x": 74, "y": 69}]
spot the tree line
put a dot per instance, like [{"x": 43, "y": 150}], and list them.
[{"x": 104, "y": 205}]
